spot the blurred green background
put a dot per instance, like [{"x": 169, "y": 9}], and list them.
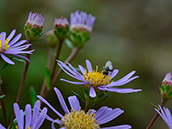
[{"x": 134, "y": 35}]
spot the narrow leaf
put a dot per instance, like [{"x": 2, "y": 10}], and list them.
[
  {"x": 33, "y": 96},
  {"x": 48, "y": 78}
]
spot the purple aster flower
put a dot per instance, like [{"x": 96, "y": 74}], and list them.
[
  {"x": 33, "y": 117},
  {"x": 35, "y": 20},
  {"x": 12, "y": 47},
  {"x": 166, "y": 115},
  {"x": 81, "y": 21},
  {"x": 79, "y": 118},
  {"x": 94, "y": 80}
]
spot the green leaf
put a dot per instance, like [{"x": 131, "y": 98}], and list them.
[
  {"x": 99, "y": 100},
  {"x": 69, "y": 43},
  {"x": 2, "y": 96},
  {"x": 4, "y": 67},
  {"x": 33, "y": 96},
  {"x": 155, "y": 106},
  {"x": 78, "y": 96},
  {"x": 48, "y": 78}
]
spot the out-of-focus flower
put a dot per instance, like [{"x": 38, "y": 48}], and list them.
[
  {"x": 81, "y": 25},
  {"x": 61, "y": 28},
  {"x": 94, "y": 80},
  {"x": 79, "y": 119},
  {"x": 33, "y": 27},
  {"x": 33, "y": 117},
  {"x": 12, "y": 47},
  {"x": 166, "y": 115},
  {"x": 166, "y": 87},
  {"x": 51, "y": 39}
]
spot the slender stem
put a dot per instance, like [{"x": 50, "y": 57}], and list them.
[
  {"x": 57, "y": 57},
  {"x": 49, "y": 63},
  {"x": 22, "y": 83},
  {"x": 71, "y": 56},
  {"x": 3, "y": 109},
  {"x": 163, "y": 102}
]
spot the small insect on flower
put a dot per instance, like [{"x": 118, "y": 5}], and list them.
[{"x": 108, "y": 68}]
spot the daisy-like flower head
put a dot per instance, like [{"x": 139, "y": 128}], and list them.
[
  {"x": 33, "y": 27},
  {"x": 33, "y": 119},
  {"x": 94, "y": 80},
  {"x": 166, "y": 87},
  {"x": 61, "y": 27},
  {"x": 81, "y": 21},
  {"x": 79, "y": 119},
  {"x": 166, "y": 115},
  {"x": 9, "y": 46}
]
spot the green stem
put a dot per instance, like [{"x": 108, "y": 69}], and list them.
[
  {"x": 70, "y": 58},
  {"x": 163, "y": 102},
  {"x": 22, "y": 83},
  {"x": 49, "y": 63},
  {"x": 2, "y": 103}
]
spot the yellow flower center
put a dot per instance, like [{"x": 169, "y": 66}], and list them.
[
  {"x": 80, "y": 120},
  {"x": 96, "y": 78},
  {"x": 6, "y": 46}
]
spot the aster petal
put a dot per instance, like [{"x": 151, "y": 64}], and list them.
[
  {"x": 120, "y": 90},
  {"x": 40, "y": 119},
  {"x": 3, "y": 38},
  {"x": 74, "y": 103},
  {"x": 77, "y": 83},
  {"x": 56, "y": 121},
  {"x": 88, "y": 64},
  {"x": 15, "y": 39},
  {"x": 114, "y": 73},
  {"x": 55, "y": 111},
  {"x": 118, "y": 127},
  {"x": 35, "y": 112},
  {"x": 71, "y": 72},
  {"x": 81, "y": 69},
  {"x": 61, "y": 100},
  {"x": 116, "y": 83},
  {"x": 6, "y": 59},
  {"x": 109, "y": 116},
  {"x": 92, "y": 92},
  {"x": 75, "y": 70},
  {"x": 19, "y": 116},
  {"x": 2, "y": 127},
  {"x": 11, "y": 35},
  {"x": 101, "y": 111},
  {"x": 28, "y": 117},
  {"x": 19, "y": 43}
]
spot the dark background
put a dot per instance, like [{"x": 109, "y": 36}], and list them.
[{"x": 134, "y": 35}]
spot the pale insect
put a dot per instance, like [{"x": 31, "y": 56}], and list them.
[{"x": 108, "y": 68}]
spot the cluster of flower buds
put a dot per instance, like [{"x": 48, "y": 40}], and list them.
[
  {"x": 33, "y": 27},
  {"x": 81, "y": 25},
  {"x": 61, "y": 28},
  {"x": 166, "y": 87}
]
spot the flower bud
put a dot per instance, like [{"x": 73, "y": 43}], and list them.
[
  {"x": 61, "y": 28},
  {"x": 81, "y": 25},
  {"x": 33, "y": 27},
  {"x": 51, "y": 39},
  {"x": 166, "y": 87}
]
